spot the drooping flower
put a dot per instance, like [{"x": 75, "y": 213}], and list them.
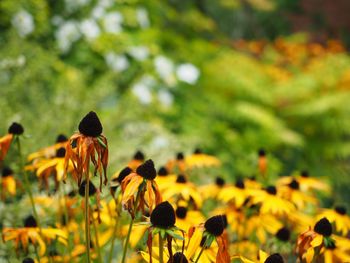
[
  {"x": 14, "y": 130},
  {"x": 87, "y": 145}
]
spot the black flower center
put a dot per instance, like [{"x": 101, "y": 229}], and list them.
[
  {"x": 92, "y": 188},
  {"x": 123, "y": 173},
  {"x": 147, "y": 170},
  {"x": 163, "y": 216},
  {"x": 274, "y": 258},
  {"x": 294, "y": 184},
  {"x": 72, "y": 194},
  {"x": 215, "y": 225},
  {"x": 181, "y": 179},
  {"x": 262, "y": 152},
  {"x": 283, "y": 234},
  {"x": 219, "y": 181},
  {"x": 61, "y": 152},
  {"x": 162, "y": 171},
  {"x": 271, "y": 190},
  {"x": 304, "y": 173},
  {"x": 179, "y": 258},
  {"x": 340, "y": 210},
  {"x": 139, "y": 156},
  {"x": 180, "y": 156},
  {"x": 90, "y": 125},
  {"x": 198, "y": 151},
  {"x": 181, "y": 212},
  {"x": 7, "y": 171},
  {"x": 16, "y": 128},
  {"x": 28, "y": 260},
  {"x": 239, "y": 183},
  {"x": 61, "y": 138},
  {"x": 323, "y": 227},
  {"x": 30, "y": 221}
]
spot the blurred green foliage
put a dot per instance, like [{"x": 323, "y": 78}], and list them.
[{"x": 287, "y": 96}]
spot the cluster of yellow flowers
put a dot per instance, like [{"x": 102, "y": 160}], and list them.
[{"x": 166, "y": 215}]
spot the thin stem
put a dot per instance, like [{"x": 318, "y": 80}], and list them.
[
  {"x": 161, "y": 247},
  {"x": 87, "y": 220},
  {"x": 115, "y": 228},
  {"x": 200, "y": 253},
  {"x": 126, "y": 243},
  {"x": 96, "y": 241},
  {"x": 62, "y": 190},
  {"x": 26, "y": 182}
]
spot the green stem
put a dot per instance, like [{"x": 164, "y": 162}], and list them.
[
  {"x": 115, "y": 228},
  {"x": 161, "y": 247},
  {"x": 199, "y": 255},
  {"x": 97, "y": 242},
  {"x": 126, "y": 243},
  {"x": 87, "y": 220},
  {"x": 66, "y": 218},
  {"x": 26, "y": 182}
]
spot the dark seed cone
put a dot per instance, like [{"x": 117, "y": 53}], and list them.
[
  {"x": 147, "y": 170},
  {"x": 90, "y": 125},
  {"x": 239, "y": 183},
  {"x": 139, "y": 156},
  {"x": 92, "y": 188},
  {"x": 219, "y": 181},
  {"x": 123, "y": 173},
  {"x": 30, "y": 222},
  {"x": 162, "y": 171},
  {"x": 271, "y": 190},
  {"x": 7, "y": 171},
  {"x": 72, "y": 194},
  {"x": 283, "y": 234},
  {"x": 304, "y": 173},
  {"x": 198, "y": 151},
  {"x": 61, "y": 138},
  {"x": 61, "y": 152},
  {"x": 181, "y": 179},
  {"x": 16, "y": 129},
  {"x": 341, "y": 210},
  {"x": 323, "y": 227},
  {"x": 294, "y": 184},
  {"x": 179, "y": 258},
  {"x": 163, "y": 216},
  {"x": 274, "y": 258},
  {"x": 181, "y": 212},
  {"x": 215, "y": 225},
  {"x": 180, "y": 156},
  {"x": 28, "y": 260},
  {"x": 262, "y": 152}
]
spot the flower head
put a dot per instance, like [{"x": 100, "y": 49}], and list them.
[{"x": 163, "y": 215}]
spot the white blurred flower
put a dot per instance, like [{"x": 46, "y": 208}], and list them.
[
  {"x": 165, "y": 97},
  {"x": 148, "y": 80},
  {"x": 140, "y": 53},
  {"x": 112, "y": 22},
  {"x": 23, "y": 22},
  {"x": 164, "y": 67},
  {"x": 142, "y": 92},
  {"x": 106, "y": 3},
  {"x": 66, "y": 35},
  {"x": 57, "y": 20},
  {"x": 98, "y": 12},
  {"x": 90, "y": 29},
  {"x": 187, "y": 73},
  {"x": 116, "y": 62},
  {"x": 160, "y": 142},
  {"x": 142, "y": 17},
  {"x": 72, "y": 5}
]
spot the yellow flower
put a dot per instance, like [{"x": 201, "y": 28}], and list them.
[
  {"x": 236, "y": 194},
  {"x": 30, "y": 234},
  {"x": 15, "y": 129},
  {"x": 183, "y": 190},
  {"x": 141, "y": 183},
  {"x": 271, "y": 202},
  {"x": 8, "y": 183},
  {"x": 199, "y": 159},
  {"x": 339, "y": 217}
]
